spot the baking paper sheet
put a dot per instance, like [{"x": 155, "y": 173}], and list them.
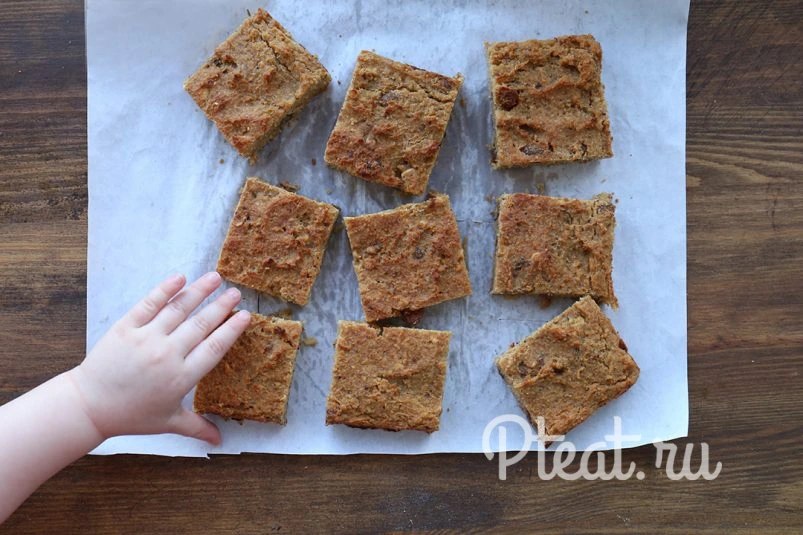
[{"x": 163, "y": 184}]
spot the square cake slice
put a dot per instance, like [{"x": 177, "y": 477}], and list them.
[
  {"x": 548, "y": 101},
  {"x": 252, "y": 382},
  {"x": 554, "y": 246},
  {"x": 389, "y": 378},
  {"x": 569, "y": 368},
  {"x": 392, "y": 123},
  {"x": 276, "y": 241},
  {"x": 408, "y": 258},
  {"x": 256, "y": 80}
]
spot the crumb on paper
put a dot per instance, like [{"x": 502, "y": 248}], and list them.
[
  {"x": 462, "y": 102},
  {"x": 310, "y": 341},
  {"x": 221, "y": 161},
  {"x": 412, "y": 317},
  {"x": 286, "y": 313},
  {"x": 541, "y": 188},
  {"x": 313, "y": 161},
  {"x": 289, "y": 186},
  {"x": 544, "y": 301},
  {"x": 489, "y": 198}
]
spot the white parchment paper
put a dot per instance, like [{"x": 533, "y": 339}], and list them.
[{"x": 163, "y": 185}]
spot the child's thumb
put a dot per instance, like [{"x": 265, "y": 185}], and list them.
[{"x": 194, "y": 425}]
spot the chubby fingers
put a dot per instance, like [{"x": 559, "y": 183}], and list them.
[
  {"x": 193, "y": 331},
  {"x": 208, "y": 353},
  {"x": 181, "y": 306},
  {"x": 153, "y": 303},
  {"x": 189, "y": 424}
]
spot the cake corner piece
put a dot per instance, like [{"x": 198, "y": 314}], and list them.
[
  {"x": 568, "y": 368},
  {"x": 548, "y": 101},
  {"x": 255, "y": 80}
]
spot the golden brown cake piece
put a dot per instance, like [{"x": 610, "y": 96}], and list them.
[
  {"x": 276, "y": 241},
  {"x": 256, "y": 80},
  {"x": 389, "y": 378},
  {"x": 392, "y": 123},
  {"x": 548, "y": 101},
  {"x": 252, "y": 382},
  {"x": 554, "y": 246},
  {"x": 408, "y": 258},
  {"x": 569, "y": 368}
]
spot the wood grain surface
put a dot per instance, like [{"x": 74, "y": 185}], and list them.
[{"x": 745, "y": 300}]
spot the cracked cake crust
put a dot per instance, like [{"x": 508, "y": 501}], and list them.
[
  {"x": 569, "y": 368},
  {"x": 408, "y": 258},
  {"x": 276, "y": 241},
  {"x": 548, "y": 101},
  {"x": 252, "y": 381},
  {"x": 555, "y": 246},
  {"x": 255, "y": 81},
  {"x": 392, "y": 123},
  {"x": 388, "y": 378}
]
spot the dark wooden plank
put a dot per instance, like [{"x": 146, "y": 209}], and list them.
[
  {"x": 745, "y": 252},
  {"x": 42, "y": 302},
  {"x": 745, "y": 215},
  {"x": 744, "y": 54},
  {"x": 42, "y": 111}
]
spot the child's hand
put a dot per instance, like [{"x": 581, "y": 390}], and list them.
[{"x": 133, "y": 380}]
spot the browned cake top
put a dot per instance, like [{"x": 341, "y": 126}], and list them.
[
  {"x": 389, "y": 378},
  {"x": 276, "y": 241},
  {"x": 408, "y": 258},
  {"x": 392, "y": 123},
  {"x": 254, "y": 80},
  {"x": 569, "y": 368},
  {"x": 252, "y": 382},
  {"x": 555, "y": 246},
  {"x": 549, "y": 103}
]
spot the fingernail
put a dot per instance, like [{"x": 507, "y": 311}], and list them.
[
  {"x": 244, "y": 315},
  {"x": 233, "y": 293},
  {"x": 212, "y": 276}
]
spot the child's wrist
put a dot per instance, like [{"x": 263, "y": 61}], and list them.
[{"x": 75, "y": 379}]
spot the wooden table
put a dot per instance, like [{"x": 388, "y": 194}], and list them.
[{"x": 745, "y": 303}]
